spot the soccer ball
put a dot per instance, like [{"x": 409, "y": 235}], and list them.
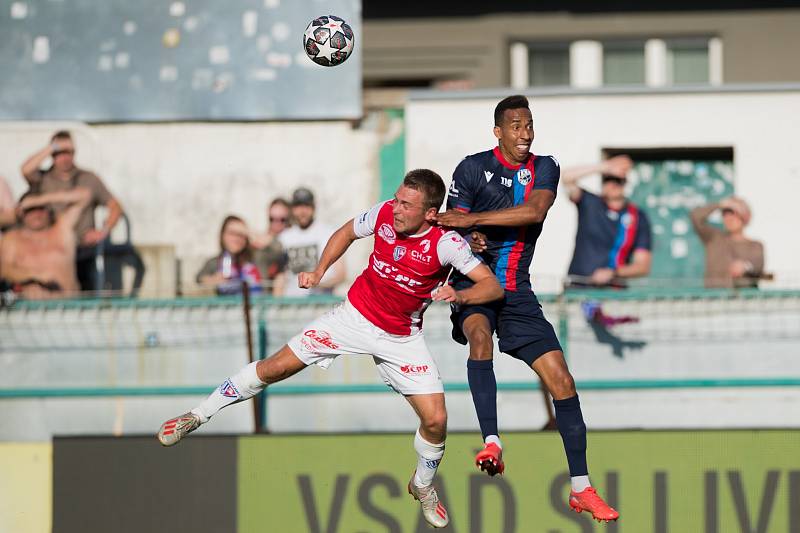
[{"x": 328, "y": 41}]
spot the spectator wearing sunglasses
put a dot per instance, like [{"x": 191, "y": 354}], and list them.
[
  {"x": 64, "y": 175},
  {"x": 732, "y": 260},
  {"x": 613, "y": 241},
  {"x": 269, "y": 253}
]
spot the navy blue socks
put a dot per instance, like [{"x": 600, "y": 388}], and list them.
[
  {"x": 483, "y": 386},
  {"x": 573, "y": 432}
]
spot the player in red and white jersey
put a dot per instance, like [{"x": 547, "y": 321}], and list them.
[{"x": 381, "y": 317}]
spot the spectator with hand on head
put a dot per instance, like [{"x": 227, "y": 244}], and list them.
[
  {"x": 732, "y": 260},
  {"x": 8, "y": 215},
  {"x": 64, "y": 175},
  {"x": 613, "y": 240},
  {"x": 37, "y": 258}
]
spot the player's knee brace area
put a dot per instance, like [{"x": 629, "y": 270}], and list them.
[
  {"x": 436, "y": 425},
  {"x": 563, "y": 386}
]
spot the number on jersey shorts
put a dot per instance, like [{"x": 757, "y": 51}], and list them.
[{"x": 404, "y": 361}]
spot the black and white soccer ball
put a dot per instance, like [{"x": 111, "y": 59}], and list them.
[{"x": 328, "y": 41}]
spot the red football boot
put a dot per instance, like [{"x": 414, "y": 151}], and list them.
[
  {"x": 589, "y": 500},
  {"x": 490, "y": 459}
]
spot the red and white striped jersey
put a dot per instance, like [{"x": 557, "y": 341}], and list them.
[{"x": 395, "y": 288}]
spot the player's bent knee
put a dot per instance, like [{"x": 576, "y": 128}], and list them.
[
  {"x": 562, "y": 386},
  {"x": 435, "y": 425}
]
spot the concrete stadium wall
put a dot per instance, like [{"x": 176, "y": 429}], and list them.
[{"x": 759, "y": 125}]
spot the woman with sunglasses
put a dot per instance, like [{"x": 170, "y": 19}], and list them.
[{"x": 269, "y": 253}]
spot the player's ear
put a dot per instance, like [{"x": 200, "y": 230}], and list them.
[
  {"x": 496, "y": 131},
  {"x": 430, "y": 214}
]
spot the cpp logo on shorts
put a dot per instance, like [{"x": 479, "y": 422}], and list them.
[
  {"x": 228, "y": 390},
  {"x": 319, "y": 339},
  {"x": 387, "y": 233},
  {"x": 524, "y": 176},
  {"x": 417, "y": 370},
  {"x": 399, "y": 252}
]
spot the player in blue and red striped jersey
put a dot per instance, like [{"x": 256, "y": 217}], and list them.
[
  {"x": 505, "y": 194},
  {"x": 613, "y": 240}
]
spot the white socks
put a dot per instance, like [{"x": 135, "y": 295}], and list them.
[
  {"x": 493, "y": 439},
  {"x": 239, "y": 387},
  {"x": 428, "y": 458},
  {"x": 580, "y": 483}
]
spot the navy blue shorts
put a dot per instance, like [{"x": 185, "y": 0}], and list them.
[{"x": 521, "y": 327}]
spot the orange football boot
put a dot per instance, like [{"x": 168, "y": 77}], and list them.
[
  {"x": 490, "y": 459},
  {"x": 589, "y": 500}
]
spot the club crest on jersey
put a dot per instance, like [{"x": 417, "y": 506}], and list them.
[
  {"x": 386, "y": 232},
  {"x": 228, "y": 390},
  {"x": 524, "y": 176},
  {"x": 399, "y": 252},
  {"x": 426, "y": 245}
]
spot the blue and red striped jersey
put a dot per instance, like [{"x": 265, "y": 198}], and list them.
[
  {"x": 487, "y": 182},
  {"x": 607, "y": 238}
]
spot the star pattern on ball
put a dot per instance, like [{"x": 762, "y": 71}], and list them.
[
  {"x": 326, "y": 50},
  {"x": 334, "y": 26}
]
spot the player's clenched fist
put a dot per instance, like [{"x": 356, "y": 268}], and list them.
[{"x": 308, "y": 280}]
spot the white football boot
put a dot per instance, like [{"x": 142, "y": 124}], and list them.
[
  {"x": 432, "y": 509},
  {"x": 174, "y": 429}
]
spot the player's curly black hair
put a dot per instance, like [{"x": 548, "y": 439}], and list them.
[
  {"x": 429, "y": 183},
  {"x": 516, "y": 101}
]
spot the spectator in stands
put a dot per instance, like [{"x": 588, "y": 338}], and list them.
[
  {"x": 7, "y": 214},
  {"x": 225, "y": 271},
  {"x": 613, "y": 240},
  {"x": 304, "y": 243},
  {"x": 270, "y": 256},
  {"x": 732, "y": 260},
  {"x": 64, "y": 175},
  {"x": 37, "y": 258}
]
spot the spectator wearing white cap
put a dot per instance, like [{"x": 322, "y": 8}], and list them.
[
  {"x": 303, "y": 244},
  {"x": 732, "y": 260}
]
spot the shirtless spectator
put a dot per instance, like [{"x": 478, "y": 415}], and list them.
[
  {"x": 37, "y": 258},
  {"x": 64, "y": 175},
  {"x": 7, "y": 214}
]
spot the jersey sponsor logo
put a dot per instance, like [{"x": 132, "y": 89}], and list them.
[
  {"x": 508, "y": 182},
  {"x": 452, "y": 189},
  {"x": 228, "y": 390},
  {"x": 488, "y": 175},
  {"x": 426, "y": 245},
  {"x": 417, "y": 370},
  {"x": 387, "y": 271},
  {"x": 386, "y": 232},
  {"x": 399, "y": 252},
  {"x": 524, "y": 176},
  {"x": 416, "y": 255},
  {"x": 318, "y": 339}
]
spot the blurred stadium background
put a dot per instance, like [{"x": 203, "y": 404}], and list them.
[{"x": 193, "y": 110}]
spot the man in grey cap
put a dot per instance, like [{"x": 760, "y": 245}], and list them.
[{"x": 303, "y": 243}]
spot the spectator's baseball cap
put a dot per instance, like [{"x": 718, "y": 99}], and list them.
[{"x": 303, "y": 196}]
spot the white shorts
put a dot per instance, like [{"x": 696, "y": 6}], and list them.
[{"x": 404, "y": 361}]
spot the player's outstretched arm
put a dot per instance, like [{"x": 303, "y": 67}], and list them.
[
  {"x": 533, "y": 211},
  {"x": 337, "y": 245}
]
